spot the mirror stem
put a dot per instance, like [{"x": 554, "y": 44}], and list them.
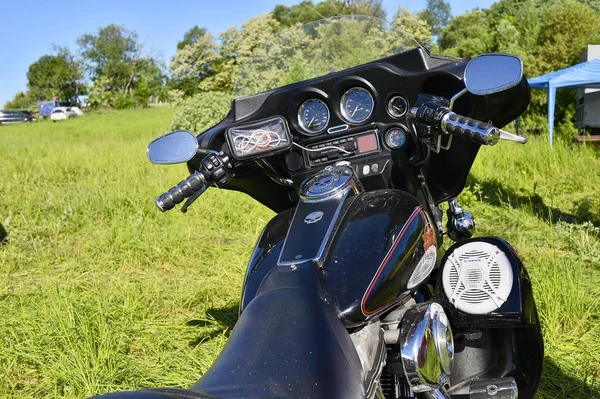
[{"x": 457, "y": 96}]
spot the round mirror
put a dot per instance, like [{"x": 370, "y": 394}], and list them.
[
  {"x": 492, "y": 73},
  {"x": 174, "y": 147}
]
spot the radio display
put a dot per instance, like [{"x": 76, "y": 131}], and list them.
[{"x": 367, "y": 143}]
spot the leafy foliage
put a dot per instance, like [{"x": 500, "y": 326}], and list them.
[
  {"x": 437, "y": 15},
  {"x": 305, "y": 11},
  {"x": 19, "y": 101},
  {"x": 55, "y": 75},
  {"x": 547, "y": 35},
  {"x": 122, "y": 75},
  {"x": 201, "y": 111}
]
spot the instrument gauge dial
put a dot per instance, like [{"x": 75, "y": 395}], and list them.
[
  {"x": 397, "y": 106},
  {"x": 313, "y": 116},
  {"x": 357, "y": 105},
  {"x": 395, "y": 138}
]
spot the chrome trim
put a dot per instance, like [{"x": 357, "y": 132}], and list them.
[
  {"x": 344, "y": 111},
  {"x": 342, "y": 177},
  {"x": 498, "y": 388},
  {"x": 346, "y": 186},
  {"x": 427, "y": 347},
  {"x": 490, "y": 135},
  {"x": 338, "y": 129},
  {"x": 317, "y": 258},
  {"x": 457, "y": 96},
  {"x": 460, "y": 223},
  {"x": 305, "y": 128}
]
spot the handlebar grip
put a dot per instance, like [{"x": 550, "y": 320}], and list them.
[
  {"x": 468, "y": 128},
  {"x": 181, "y": 191}
]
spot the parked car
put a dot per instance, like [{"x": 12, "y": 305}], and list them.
[
  {"x": 77, "y": 110},
  {"x": 62, "y": 113},
  {"x": 12, "y": 116}
]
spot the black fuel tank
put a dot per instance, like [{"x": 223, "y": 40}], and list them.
[{"x": 382, "y": 247}]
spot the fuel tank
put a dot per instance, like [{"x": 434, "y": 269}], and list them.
[{"x": 373, "y": 249}]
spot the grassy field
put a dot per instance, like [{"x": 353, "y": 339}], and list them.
[{"x": 99, "y": 291}]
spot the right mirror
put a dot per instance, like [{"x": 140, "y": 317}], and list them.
[
  {"x": 174, "y": 147},
  {"x": 492, "y": 73}
]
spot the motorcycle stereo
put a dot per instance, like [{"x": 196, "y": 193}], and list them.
[
  {"x": 343, "y": 147},
  {"x": 482, "y": 280}
]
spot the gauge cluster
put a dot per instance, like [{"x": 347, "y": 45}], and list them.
[
  {"x": 353, "y": 106},
  {"x": 346, "y": 119}
]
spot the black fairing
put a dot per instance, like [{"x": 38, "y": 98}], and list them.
[
  {"x": 287, "y": 343},
  {"x": 511, "y": 334},
  {"x": 410, "y": 73}
]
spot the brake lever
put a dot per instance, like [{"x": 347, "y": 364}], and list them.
[{"x": 193, "y": 198}]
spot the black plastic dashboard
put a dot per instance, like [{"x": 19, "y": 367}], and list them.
[{"x": 381, "y": 162}]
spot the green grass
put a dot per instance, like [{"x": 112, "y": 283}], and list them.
[{"x": 99, "y": 291}]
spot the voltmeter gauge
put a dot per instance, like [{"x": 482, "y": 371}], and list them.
[
  {"x": 397, "y": 106},
  {"x": 395, "y": 138}
]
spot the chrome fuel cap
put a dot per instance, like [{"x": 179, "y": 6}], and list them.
[{"x": 330, "y": 182}]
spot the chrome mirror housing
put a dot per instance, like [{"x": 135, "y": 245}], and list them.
[
  {"x": 175, "y": 147},
  {"x": 493, "y": 73},
  {"x": 427, "y": 347}
]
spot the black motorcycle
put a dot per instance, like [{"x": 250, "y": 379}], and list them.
[{"x": 349, "y": 293}]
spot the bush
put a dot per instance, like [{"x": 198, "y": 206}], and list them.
[{"x": 201, "y": 111}]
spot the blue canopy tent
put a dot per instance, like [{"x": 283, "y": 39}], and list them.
[{"x": 580, "y": 76}]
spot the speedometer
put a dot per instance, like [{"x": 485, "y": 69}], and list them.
[
  {"x": 357, "y": 105},
  {"x": 313, "y": 116}
]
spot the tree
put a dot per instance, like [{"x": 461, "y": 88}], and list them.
[
  {"x": 118, "y": 68},
  {"x": 467, "y": 35},
  {"x": 57, "y": 74},
  {"x": 437, "y": 15},
  {"x": 19, "y": 101},
  {"x": 416, "y": 27},
  {"x": 113, "y": 53},
  {"x": 191, "y": 36},
  {"x": 194, "y": 60},
  {"x": 306, "y": 11}
]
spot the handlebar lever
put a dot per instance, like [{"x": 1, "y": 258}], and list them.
[{"x": 504, "y": 135}]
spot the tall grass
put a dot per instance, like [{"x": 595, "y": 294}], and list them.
[{"x": 99, "y": 291}]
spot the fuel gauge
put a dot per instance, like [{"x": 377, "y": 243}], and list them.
[{"x": 395, "y": 138}]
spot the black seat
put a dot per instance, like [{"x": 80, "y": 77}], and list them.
[{"x": 287, "y": 344}]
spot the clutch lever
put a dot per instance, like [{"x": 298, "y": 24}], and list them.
[{"x": 193, "y": 198}]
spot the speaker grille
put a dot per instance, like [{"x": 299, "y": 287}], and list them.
[{"x": 477, "y": 277}]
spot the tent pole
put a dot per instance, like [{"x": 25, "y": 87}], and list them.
[{"x": 551, "y": 101}]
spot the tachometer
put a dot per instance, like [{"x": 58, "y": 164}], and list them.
[
  {"x": 313, "y": 116},
  {"x": 357, "y": 105}
]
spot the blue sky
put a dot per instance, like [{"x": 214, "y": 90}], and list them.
[{"x": 28, "y": 30}]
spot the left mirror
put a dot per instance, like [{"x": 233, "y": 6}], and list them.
[{"x": 174, "y": 147}]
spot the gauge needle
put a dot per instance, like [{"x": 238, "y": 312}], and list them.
[
  {"x": 398, "y": 108},
  {"x": 355, "y": 109},
  {"x": 311, "y": 121}
]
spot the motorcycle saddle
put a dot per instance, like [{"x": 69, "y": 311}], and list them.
[{"x": 288, "y": 343}]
